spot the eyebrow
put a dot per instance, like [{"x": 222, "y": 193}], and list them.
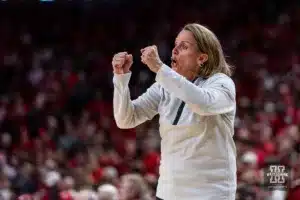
[{"x": 184, "y": 41}]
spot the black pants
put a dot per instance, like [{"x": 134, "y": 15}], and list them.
[{"x": 158, "y": 198}]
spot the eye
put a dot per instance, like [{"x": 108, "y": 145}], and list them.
[
  {"x": 184, "y": 46},
  {"x": 181, "y": 46}
]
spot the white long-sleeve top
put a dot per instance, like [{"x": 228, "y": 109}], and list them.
[{"x": 198, "y": 154}]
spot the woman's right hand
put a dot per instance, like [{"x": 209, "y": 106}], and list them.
[{"x": 122, "y": 62}]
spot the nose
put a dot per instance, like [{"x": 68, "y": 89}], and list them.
[{"x": 175, "y": 51}]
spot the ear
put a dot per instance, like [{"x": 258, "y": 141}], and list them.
[{"x": 202, "y": 58}]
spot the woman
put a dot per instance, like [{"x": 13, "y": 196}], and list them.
[{"x": 196, "y": 103}]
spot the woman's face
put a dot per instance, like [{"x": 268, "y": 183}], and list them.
[
  {"x": 186, "y": 58},
  {"x": 126, "y": 191}
]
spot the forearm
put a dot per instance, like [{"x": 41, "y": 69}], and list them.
[
  {"x": 128, "y": 113},
  {"x": 122, "y": 105}
]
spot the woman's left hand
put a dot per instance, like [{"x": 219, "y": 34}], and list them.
[{"x": 151, "y": 58}]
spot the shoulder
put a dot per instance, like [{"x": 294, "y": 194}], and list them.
[{"x": 220, "y": 80}]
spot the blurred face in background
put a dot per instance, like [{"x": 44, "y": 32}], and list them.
[
  {"x": 27, "y": 169},
  {"x": 127, "y": 191},
  {"x": 6, "y": 140},
  {"x": 133, "y": 187},
  {"x": 130, "y": 187},
  {"x": 130, "y": 146}
]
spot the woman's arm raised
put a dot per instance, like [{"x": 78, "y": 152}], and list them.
[{"x": 128, "y": 113}]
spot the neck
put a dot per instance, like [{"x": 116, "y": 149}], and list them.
[{"x": 191, "y": 76}]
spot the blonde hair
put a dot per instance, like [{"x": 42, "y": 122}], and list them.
[
  {"x": 139, "y": 185},
  {"x": 208, "y": 43}
]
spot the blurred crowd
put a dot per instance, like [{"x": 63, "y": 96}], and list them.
[{"x": 58, "y": 137}]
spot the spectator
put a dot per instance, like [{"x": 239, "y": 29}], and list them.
[
  {"x": 107, "y": 192},
  {"x": 134, "y": 187}
]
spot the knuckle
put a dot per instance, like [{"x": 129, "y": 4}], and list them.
[{"x": 120, "y": 54}]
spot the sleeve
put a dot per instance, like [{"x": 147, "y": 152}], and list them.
[
  {"x": 217, "y": 97},
  {"x": 128, "y": 113}
]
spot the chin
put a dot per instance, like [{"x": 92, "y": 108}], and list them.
[{"x": 175, "y": 69}]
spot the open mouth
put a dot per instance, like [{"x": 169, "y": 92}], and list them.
[{"x": 173, "y": 61}]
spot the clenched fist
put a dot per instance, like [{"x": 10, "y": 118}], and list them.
[
  {"x": 151, "y": 58},
  {"x": 122, "y": 62}
]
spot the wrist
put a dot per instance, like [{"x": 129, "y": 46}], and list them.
[
  {"x": 158, "y": 66},
  {"x": 119, "y": 72}
]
